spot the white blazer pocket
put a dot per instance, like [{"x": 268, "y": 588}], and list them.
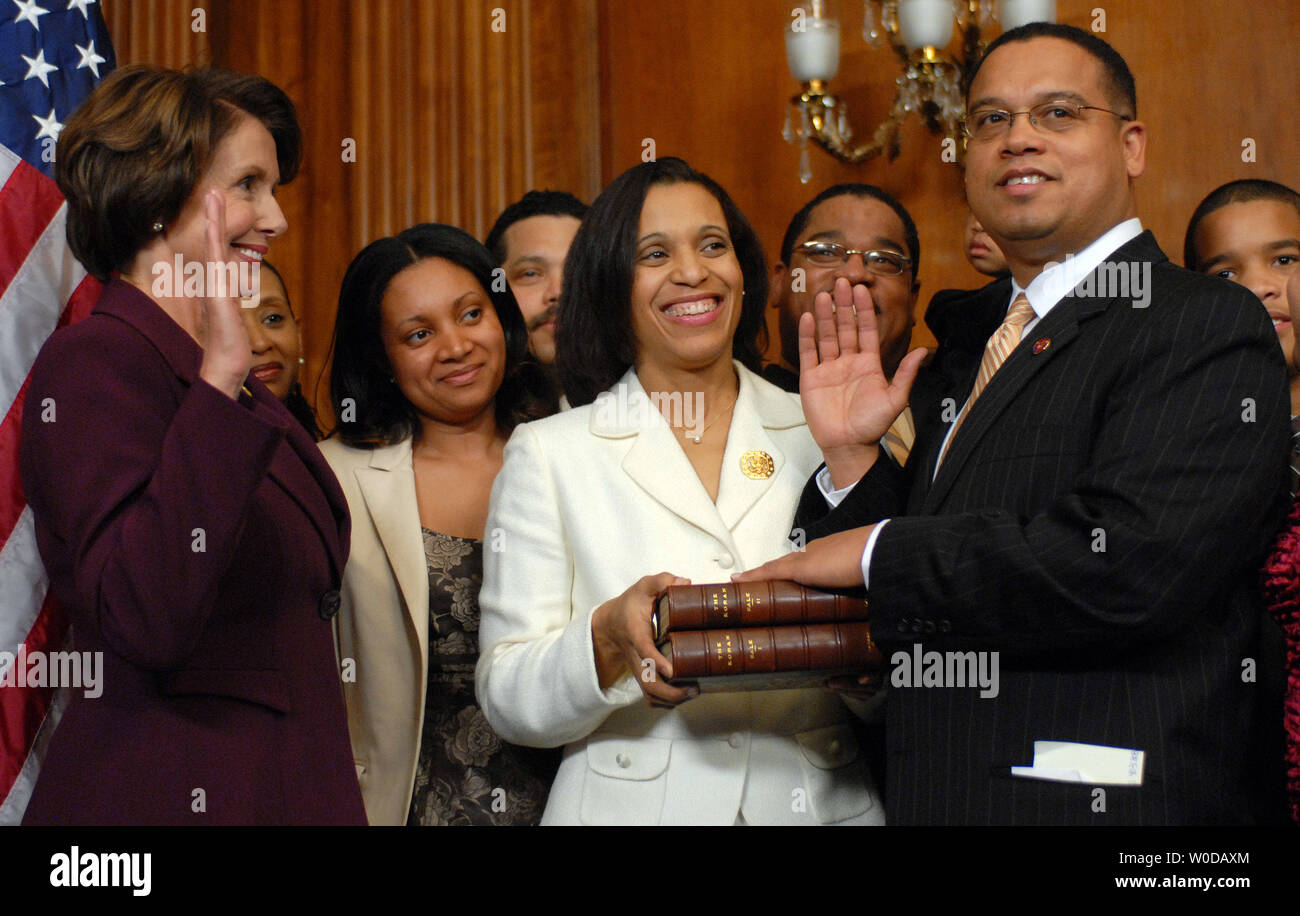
[
  {"x": 625, "y": 780},
  {"x": 837, "y": 782}
]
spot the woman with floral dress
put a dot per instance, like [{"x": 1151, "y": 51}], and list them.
[{"x": 430, "y": 375}]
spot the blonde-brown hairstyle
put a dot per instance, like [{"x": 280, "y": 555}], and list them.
[{"x": 134, "y": 151}]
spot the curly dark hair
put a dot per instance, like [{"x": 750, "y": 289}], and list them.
[{"x": 361, "y": 370}]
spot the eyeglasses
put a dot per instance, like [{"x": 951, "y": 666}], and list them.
[
  {"x": 1056, "y": 116},
  {"x": 880, "y": 263}
]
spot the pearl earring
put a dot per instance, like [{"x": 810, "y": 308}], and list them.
[
  {"x": 301, "y": 361},
  {"x": 157, "y": 226}
]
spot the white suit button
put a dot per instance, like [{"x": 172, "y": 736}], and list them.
[
  {"x": 623, "y": 760},
  {"x": 735, "y": 739},
  {"x": 726, "y": 560}
]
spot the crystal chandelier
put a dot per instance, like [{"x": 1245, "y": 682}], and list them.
[{"x": 933, "y": 84}]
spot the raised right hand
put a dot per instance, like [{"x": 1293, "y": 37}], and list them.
[
  {"x": 623, "y": 641},
  {"x": 227, "y": 354},
  {"x": 847, "y": 400}
]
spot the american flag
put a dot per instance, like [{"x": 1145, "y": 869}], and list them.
[{"x": 52, "y": 54}]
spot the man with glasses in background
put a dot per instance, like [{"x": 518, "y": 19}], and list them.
[{"x": 861, "y": 233}]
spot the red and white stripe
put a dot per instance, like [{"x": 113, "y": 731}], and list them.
[{"x": 42, "y": 287}]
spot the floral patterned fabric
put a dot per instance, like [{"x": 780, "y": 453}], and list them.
[
  {"x": 466, "y": 774},
  {"x": 1281, "y": 586}
]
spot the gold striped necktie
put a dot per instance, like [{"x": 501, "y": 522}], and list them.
[{"x": 996, "y": 351}]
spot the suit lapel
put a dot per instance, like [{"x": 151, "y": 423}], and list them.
[
  {"x": 758, "y": 408},
  {"x": 658, "y": 465},
  {"x": 1060, "y": 327},
  {"x": 1021, "y": 367},
  {"x": 951, "y": 378},
  {"x": 388, "y": 489},
  {"x": 308, "y": 481}
]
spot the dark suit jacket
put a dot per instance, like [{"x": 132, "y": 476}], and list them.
[
  {"x": 1098, "y": 521},
  {"x": 198, "y": 543}
]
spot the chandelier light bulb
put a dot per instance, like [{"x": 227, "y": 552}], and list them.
[
  {"x": 925, "y": 23},
  {"x": 812, "y": 46},
  {"x": 1015, "y": 13}
]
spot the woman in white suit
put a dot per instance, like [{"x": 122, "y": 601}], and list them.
[
  {"x": 430, "y": 375},
  {"x": 599, "y": 508}
]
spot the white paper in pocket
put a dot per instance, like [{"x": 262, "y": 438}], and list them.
[{"x": 1095, "y": 764}]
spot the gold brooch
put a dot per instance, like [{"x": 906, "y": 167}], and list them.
[{"x": 757, "y": 464}]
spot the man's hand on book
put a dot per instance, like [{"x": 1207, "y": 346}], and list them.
[
  {"x": 862, "y": 687},
  {"x": 624, "y": 641},
  {"x": 834, "y": 561},
  {"x": 848, "y": 401}
]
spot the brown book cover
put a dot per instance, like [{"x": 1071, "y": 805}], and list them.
[
  {"x": 750, "y": 604},
  {"x": 770, "y": 658}
]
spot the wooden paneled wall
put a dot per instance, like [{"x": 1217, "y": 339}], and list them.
[
  {"x": 453, "y": 120},
  {"x": 157, "y": 32},
  {"x": 708, "y": 81},
  {"x": 455, "y": 110}
]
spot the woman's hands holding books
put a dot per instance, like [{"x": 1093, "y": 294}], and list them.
[{"x": 624, "y": 641}]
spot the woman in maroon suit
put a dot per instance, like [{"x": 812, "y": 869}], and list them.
[{"x": 189, "y": 525}]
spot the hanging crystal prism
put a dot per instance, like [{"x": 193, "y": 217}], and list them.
[
  {"x": 805, "y": 163},
  {"x": 787, "y": 130},
  {"x": 889, "y": 17},
  {"x": 870, "y": 32}
]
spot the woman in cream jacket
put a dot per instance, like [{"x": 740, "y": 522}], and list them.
[
  {"x": 429, "y": 377},
  {"x": 597, "y": 509}
]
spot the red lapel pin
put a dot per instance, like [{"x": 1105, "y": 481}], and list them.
[{"x": 1042, "y": 344}]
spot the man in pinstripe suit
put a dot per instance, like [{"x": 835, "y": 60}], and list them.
[{"x": 1100, "y": 463}]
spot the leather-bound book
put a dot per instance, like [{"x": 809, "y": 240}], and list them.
[
  {"x": 770, "y": 658},
  {"x": 750, "y": 604}
]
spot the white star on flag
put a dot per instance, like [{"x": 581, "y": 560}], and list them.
[
  {"x": 89, "y": 58},
  {"x": 80, "y": 5},
  {"x": 37, "y": 67},
  {"x": 50, "y": 126},
  {"x": 29, "y": 11}
]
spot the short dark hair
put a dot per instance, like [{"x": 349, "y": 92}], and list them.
[
  {"x": 594, "y": 341},
  {"x": 361, "y": 369},
  {"x": 1122, "y": 86},
  {"x": 1234, "y": 192},
  {"x": 134, "y": 150},
  {"x": 800, "y": 220},
  {"x": 534, "y": 203}
]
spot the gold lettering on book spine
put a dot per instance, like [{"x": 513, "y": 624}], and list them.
[
  {"x": 719, "y": 599},
  {"x": 722, "y": 650}
]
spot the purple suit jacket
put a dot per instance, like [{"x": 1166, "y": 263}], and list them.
[{"x": 198, "y": 543}]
